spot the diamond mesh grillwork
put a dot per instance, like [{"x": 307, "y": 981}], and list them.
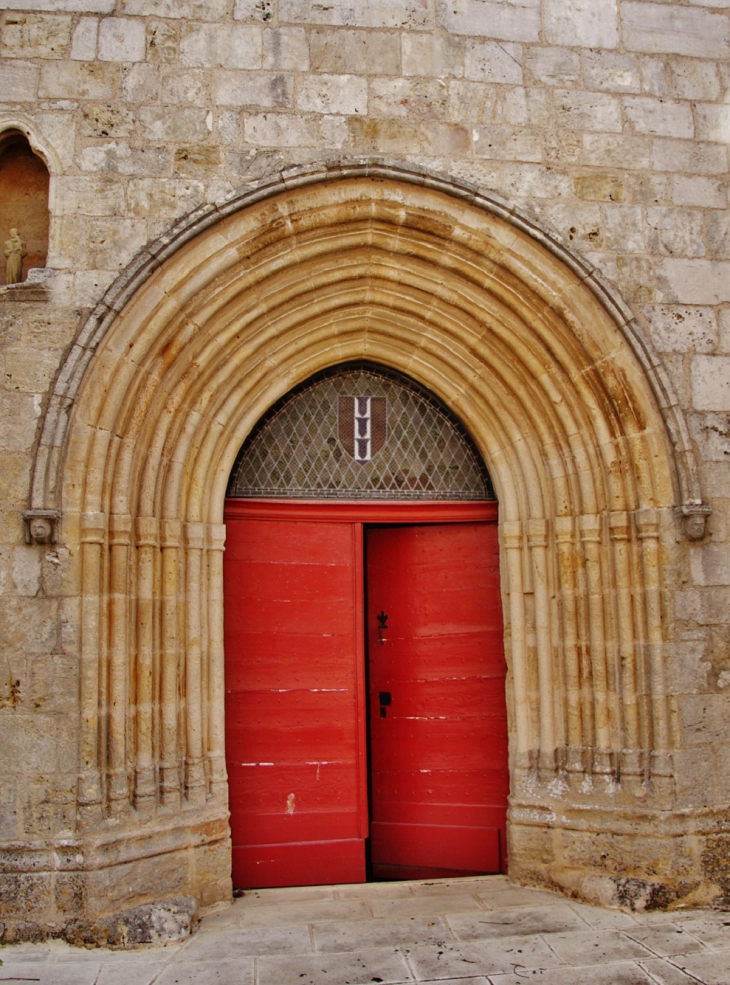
[{"x": 305, "y": 446}]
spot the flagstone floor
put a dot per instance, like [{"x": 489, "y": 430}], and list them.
[{"x": 481, "y": 931}]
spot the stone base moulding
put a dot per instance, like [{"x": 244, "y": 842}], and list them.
[
  {"x": 145, "y": 887},
  {"x": 546, "y": 368}
]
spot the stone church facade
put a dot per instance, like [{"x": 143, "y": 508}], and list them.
[{"x": 522, "y": 205}]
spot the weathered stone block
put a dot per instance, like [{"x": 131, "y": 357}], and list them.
[
  {"x": 120, "y": 158},
  {"x": 578, "y": 224},
  {"x": 689, "y": 155},
  {"x": 490, "y": 61},
  {"x": 253, "y": 10},
  {"x": 9, "y": 808},
  {"x": 75, "y": 6},
  {"x": 666, "y": 29},
  {"x": 526, "y": 107},
  {"x": 24, "y": 894},
  {"x": 711, "y": 433},
  {"x": 354, "y": 52},
  {"x": 563, "y": 147},
  {"x": 553, "y": 66},
  {"x": 286, "y": 50},
  {"x": 230, "y": 127},
  {"x": 83, "y": 43},
  {"x": 78, "y": 80},
  {"x": 408, "y": 98},
  {"x": 30, "y": 370},
  {"x": 345, "y": 94},
  {"x": 725, "y": 326},
  {"x": 413, "y": 14},
  {"x": 164, "y": 198},
  {"x": 48, "y": 802},
  {"x": 140, "y": 83},
  {"x": 373, "y": 136},
  {"x": 623, "y": 230},
  {"x": 636, "y": 279},
  {"x": 717, "y": 226},
  {"x": 610, "y": 71},
  {"x": 121, "y": 39},
  {"x": 197, "y": 10},
  {"x": 654, "y": 77},
  {"x": 599, "y": 187},
  {"x": 681, "y": 328},
  {"x": 713, "y": 122},
  {"x": 19, "y": 415},
  {"x": 264, "y": 90},
  {"x": 112, "y": 243},
  {"x": 675, "y": 232},
  {"x": 507, "y": 144},
  {"x": 188, "y": 88},
  {"x": 711, "y": 564},
  {"x": 694, "y": 281},
  {"x": 35, "y": 35},
  {"x": 581, "y": 22},
  {"x": 708, "y": 193},
  {"x": 162, "y": 41},
  {"x": 175, "y": 125},
  {"x": 513, "y": 20},
  {"x": 19, "y": 81},
  {"x": 613, "y": 151},
  {"x": 711, "y": 382},
  {"x": 433, "y": 56},
  {"x": 222, "y": 46},
  {"x": 687, "y": 667},
  {"x": 588, "y": 111},
  {"x": 104, "y": 120},
  {"x": 197, "y": 159},
  {"x": 26, "y": 570},
  {"x": 659, "y": 117},
  {"x": 693, "y": 79},
  {"x": 280, "y": 130}
]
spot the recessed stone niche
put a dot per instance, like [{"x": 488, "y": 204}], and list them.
[{"x": 23, "y": 200}]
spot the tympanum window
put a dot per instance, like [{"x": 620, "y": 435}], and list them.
[{"x": 360, "y": 432}]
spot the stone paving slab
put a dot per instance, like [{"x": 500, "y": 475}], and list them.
[
  {"x": 238, "y": 972},
  {"x": 356, "y": 968},
  {"x": 508, "y": 923},
  {"x": 353, "y": 936},
  {"x": 450, "y": 933},
  {"x": 494, "y": 957},
  {"x": 713, "y": 966},
  {"x": 294, "y": 939},
  {"x": 591, "y": 947},
  {"x": 663, "y": 972},
  {"x": 665, "y": 940},
  {"x": 618, "y": 973}
]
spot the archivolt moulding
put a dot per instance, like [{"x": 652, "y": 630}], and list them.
[{"x": 524, "y": 341}]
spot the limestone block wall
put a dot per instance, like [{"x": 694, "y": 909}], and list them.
[{"x": 607, "y": 123}]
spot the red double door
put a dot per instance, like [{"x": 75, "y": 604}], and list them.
[{"x": 366, "y": 726}]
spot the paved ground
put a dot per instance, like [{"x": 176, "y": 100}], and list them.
[{"x": 461, "y": 932}]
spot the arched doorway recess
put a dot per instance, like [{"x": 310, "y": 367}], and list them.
[
  {"x": 558, "y": 389},
  {"x": 366, "y": 724}
]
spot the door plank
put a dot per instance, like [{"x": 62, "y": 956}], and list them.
[
  {"x": 294, "y": 702},
  {"x": 439, "y": 754}
]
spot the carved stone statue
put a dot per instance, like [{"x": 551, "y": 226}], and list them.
[{"x": 15, "y": 251}]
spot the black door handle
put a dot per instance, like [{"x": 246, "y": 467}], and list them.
[{"x": 384, "y": 699}]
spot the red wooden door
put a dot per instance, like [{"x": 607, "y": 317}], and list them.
[
  {"x": 295, "y": 735},
  {"x": 438, "y": 729}
]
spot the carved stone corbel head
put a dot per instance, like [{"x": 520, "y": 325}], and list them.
[
  {"x": 693, "y": 517},
  {"x": 41, "y": 526}
]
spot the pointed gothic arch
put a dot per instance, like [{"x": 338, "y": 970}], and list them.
[{"x": 530, "y": 349}]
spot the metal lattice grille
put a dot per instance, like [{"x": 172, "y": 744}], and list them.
[{"x": 359, "y": 433}]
